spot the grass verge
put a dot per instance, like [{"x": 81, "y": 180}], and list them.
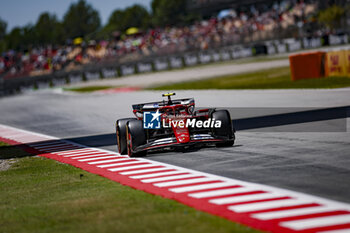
[
  {"x": 277, "y": 78},
  {"x": 87, "y": 89},
  {"x": 42, "y": 195},
  {"x": 248, "y": 60}
]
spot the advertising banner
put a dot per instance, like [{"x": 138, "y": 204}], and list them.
[
  {"x": 26, "y": 88},
  {"x": 109, "y": 73},
  {"x": 338, "y": 39},
  {"x": 204, "y": 58},
  {"x": 92, "y": 75},
  {"x": 336, "y": 63},
  {"x": 176, "y": 62},
  {"x": 236, "y": 54},
  {"x": 75, "y": 78},
  {"x": 271, "y": 49},
  {"x": 294, "y": 46},
  {"x": 161, "y": 64},
  {"x": 59, "y": 82},
  {"x": 225, "y": 55},
  {"x": 246, "y": 52},
  {"x": 43, "y": 85},
  {"x": 312, "y": 42},
  {"x": 144, "y": 67},
  {"x": 215, "y": 57},
  {"x": 281, "y": 48},
  {"x": 127, "y": 70},
  {"x": 191, "y": 60}
]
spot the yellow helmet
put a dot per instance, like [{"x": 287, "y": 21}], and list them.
[{"x": 169, "y": 94}]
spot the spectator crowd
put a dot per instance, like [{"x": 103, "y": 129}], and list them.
[{"x": 228, "y": 27}]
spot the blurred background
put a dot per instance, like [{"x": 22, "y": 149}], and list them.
[{"x": 80, "y": 41}]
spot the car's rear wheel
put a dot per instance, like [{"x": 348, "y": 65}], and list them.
[
  {"x": 226, "y": 131},
  {"x": 136, "y": 136},
  {"x": 121, "y": 134}
]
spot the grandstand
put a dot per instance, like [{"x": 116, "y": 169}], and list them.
[
  {"x": 249, "y": 22},
  {"x": 248, "y": 26}
]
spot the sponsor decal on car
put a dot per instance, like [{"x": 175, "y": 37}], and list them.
[
  {"x": 210, "y": 123},
  {"x": 152, "y": 120}
]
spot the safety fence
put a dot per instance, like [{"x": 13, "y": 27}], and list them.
[{"x": 150, "y": 64}]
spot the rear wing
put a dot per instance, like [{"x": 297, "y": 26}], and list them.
[{"x": 155, "y": 105}]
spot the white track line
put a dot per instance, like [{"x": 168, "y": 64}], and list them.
[
  {"x": 243, "y": 208},
  {"x": 76, "y": 151},
  {"x": 337, "y": 231},
  {"x": 130, "y": 167},
  {"x": 157, "y": 174},
  {"x": 317, "y": 222},
  {"x": 153, "y": 180},
  {"x": 201, "y": 187},
  {"x": 293, "y": 212},
  {"x": 145, "y": 171},
  {"x": 88, "y": 156},
  {"x": 109, "y": 161},
  {"x": 85, "y": 155},
  {"x": 245, "y": 198},
  {"x": 97, "y": 158},
  {"x": 181, "y": 182},
  {"x": 221, "y": 192},
  {"x": 120, "y": 164}
]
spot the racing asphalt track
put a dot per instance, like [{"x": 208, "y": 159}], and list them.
[{"x": 311, "y": 162}]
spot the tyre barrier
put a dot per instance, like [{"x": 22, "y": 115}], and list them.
[
  {"x": 313, "y": 61},
  {"x": 320, "y": 64}
]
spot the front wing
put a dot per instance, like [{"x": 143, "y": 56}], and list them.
[{"x": 171, "y": 142}]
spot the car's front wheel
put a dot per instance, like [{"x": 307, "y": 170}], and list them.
[
  {"x": 136, "y": 136},
  {"x": 120, "y": 129}
]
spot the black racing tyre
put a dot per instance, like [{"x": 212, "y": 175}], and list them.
[
  {"x": 226, "y": 130},
  {"x": 121, "y": 134},
  {"x": 136, "y": 136}
]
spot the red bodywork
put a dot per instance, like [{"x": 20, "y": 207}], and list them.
[
  {"x": 177, "y": 113},
  {"x": 172, "y": 135}
]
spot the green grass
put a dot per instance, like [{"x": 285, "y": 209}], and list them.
[
  {"x": 277, "y": 78},
  {"x": 236, "y": 62},
  {"x": 41, "y": 195},
  {"x": 88, "y": 89}
]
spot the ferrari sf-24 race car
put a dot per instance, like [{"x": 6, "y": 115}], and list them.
[{"x": 170, "y": 124}]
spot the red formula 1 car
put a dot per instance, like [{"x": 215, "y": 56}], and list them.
[{"x": 170, "y": 124}]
